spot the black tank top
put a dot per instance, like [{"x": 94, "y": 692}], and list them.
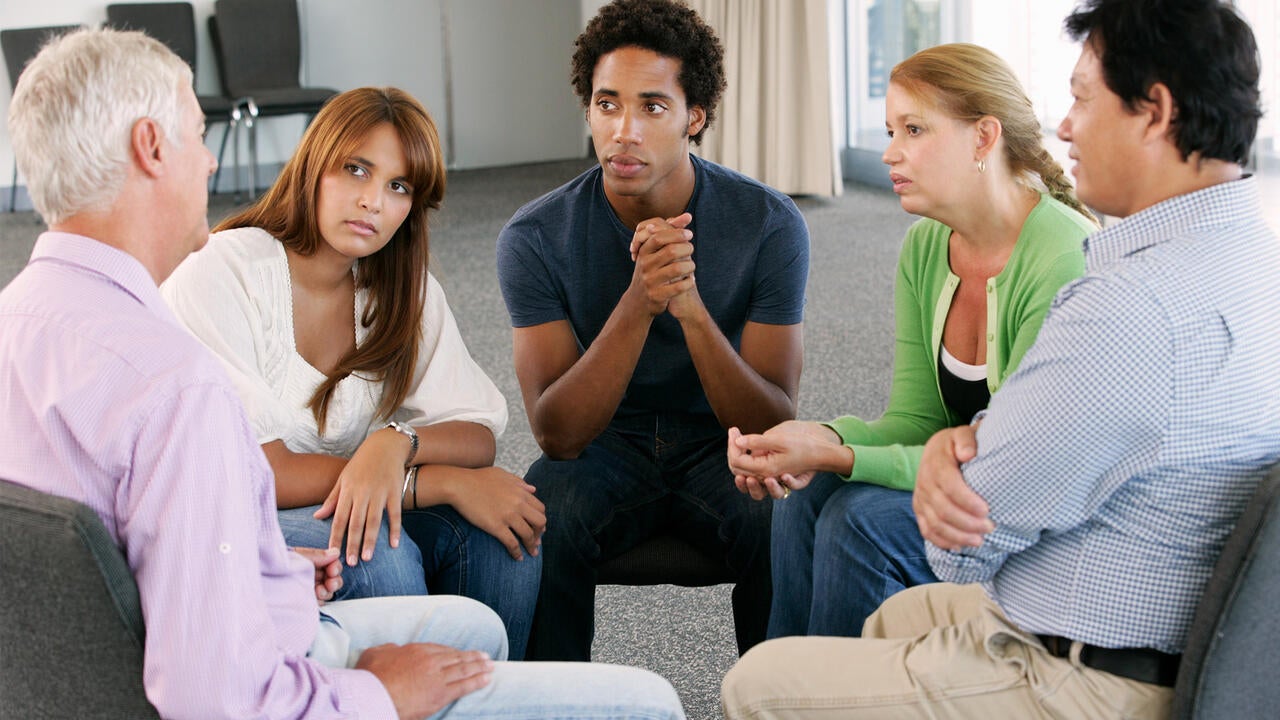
[{"x": 964, "y": 397}]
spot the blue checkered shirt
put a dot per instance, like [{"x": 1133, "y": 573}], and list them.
[{"x": 1118, "y": 457}]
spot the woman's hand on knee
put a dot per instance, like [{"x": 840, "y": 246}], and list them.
[
  {"x": 503, "y": 505},
  {"x": 369, "y": 484}
]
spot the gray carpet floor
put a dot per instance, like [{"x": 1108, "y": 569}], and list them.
[{"x": 684, "y": 634}]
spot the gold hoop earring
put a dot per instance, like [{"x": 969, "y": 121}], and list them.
[{"x": 982, "y": 166}]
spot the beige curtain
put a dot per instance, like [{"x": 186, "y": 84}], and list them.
[{"x": 775, "y": 121}]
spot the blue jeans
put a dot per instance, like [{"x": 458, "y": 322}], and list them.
[
  {"x": 441, "y": 553},
  {"x": 517, "y": 690},
  {"x": 839, "y": 550},
  {"x": 641, "y": 476}
]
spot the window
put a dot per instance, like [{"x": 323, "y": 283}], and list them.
[
  {"x": 1028, "y": 35},
  {"x": 880, "y": 34}
]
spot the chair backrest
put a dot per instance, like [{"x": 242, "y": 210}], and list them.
[
  {"x": 258, "y": 44},
  {"x": 1226, "y": 667},
  {"x": 70, "y": 618},
  {"x": 172, "y": 23},
  {"x": 22, "y": 44}
]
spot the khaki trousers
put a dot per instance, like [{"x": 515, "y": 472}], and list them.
[{"x": 932, "y": 651}]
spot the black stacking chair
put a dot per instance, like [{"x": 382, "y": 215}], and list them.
[
  {"x": 20, "y": 45},
  {"x": 70, "y": 616},
  {"x": 666, "y": 559},
  {"x": 174, "y": 24},
  {"x": 259, "y": 51}
]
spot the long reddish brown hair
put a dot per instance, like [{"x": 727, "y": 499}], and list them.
[{"x": 396, "y": 275}]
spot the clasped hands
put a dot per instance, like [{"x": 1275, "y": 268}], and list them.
[
  {"x": 662, "y": 250},
  {"x": 783, "y": 458},
  {"x": 786, "y": 457}
]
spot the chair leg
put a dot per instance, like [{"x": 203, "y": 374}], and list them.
[
  {"x": 222, "y": 149},
  {"x": 13, "y": 189},
  {"x": 752, "y": 596},
  {"x": 235, "y": 154},
  {"x": 253, "y": 161}
]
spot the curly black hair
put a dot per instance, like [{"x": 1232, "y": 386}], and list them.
[
  {"x": 668, "y": 28},
  {"x": 1202, "y": 50}
]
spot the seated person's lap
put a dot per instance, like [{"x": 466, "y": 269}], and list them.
[{"x": 615, "y": 495}]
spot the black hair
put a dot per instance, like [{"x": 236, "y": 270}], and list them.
[
  {"x": 668, "y": 28},
  {"x": 1202, "y": 50}
]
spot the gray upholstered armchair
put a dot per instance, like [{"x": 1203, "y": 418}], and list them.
[
  {"x": 1227, "y": 668},
  {"x": 71, "y": 631}
]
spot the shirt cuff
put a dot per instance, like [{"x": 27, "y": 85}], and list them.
[{"x": 363, "y": 694}]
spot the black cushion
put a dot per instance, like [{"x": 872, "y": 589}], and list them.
[
  {"x": 172, "y": 23},
  {"x": 665, "y": 559}
]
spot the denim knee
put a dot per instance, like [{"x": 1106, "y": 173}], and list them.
[
  {"x": 392, "y": 571},
  {"x": 471, "y": 625},
  {"x": 574, "y": 506},
  {"x": 870, "y": 510}
]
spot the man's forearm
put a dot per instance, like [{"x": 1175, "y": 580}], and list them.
[
  {"x": 579, "y": 405},
  {"x": 739, "y": 396}
]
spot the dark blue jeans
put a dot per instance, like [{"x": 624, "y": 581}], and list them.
[
  {"x": 441, "y": 553},
  {"x": 642, "y": 476},
  {"x": 839, "y": 550}
]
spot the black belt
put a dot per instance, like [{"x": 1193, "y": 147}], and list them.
[{"x": 1141, "y": 664}]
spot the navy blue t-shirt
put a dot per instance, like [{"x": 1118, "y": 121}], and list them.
[{"x": 566, "y": 255}]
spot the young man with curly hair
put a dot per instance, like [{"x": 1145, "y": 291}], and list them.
[{"x": 657, "y": 301}]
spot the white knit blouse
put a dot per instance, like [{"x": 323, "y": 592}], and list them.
[{"x": 235, "y": 296}]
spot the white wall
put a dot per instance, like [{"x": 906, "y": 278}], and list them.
[
  {"x": 16, "y": 14},
  {"x": 511, "y": 100}
]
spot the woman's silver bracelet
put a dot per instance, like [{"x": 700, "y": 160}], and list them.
[{"x": 410, "y": 475}]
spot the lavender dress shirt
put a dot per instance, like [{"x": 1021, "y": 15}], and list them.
[{"x": 105, "y": 399}]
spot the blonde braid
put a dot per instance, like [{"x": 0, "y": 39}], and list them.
[{"x": 1060, "y": 188}]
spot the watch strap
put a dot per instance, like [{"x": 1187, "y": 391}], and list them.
[{"x": 406, "y": 430}]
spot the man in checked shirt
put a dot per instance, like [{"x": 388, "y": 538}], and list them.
[{"x": 1089, "y": 504}]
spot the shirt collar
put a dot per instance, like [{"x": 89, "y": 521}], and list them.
[
  {"x": 1192, "y": 214},
  {"x": 118, "y": 266}
]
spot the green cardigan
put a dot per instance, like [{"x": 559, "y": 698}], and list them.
[{"x": 1048, "y": 255}]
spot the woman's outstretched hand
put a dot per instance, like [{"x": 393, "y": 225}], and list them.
[{"x": 782, "y": 459}]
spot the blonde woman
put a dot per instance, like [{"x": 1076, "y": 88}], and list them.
[{"x": 1001, "y": 232}]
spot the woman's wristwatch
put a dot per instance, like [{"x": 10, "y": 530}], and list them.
[{"x": 406, "y": 430}]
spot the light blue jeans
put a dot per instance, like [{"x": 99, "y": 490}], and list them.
[
  {"x": 840, "y": 549},
  {"x": 440, "y": 553},
  {"x": 518, "y": 690}
]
